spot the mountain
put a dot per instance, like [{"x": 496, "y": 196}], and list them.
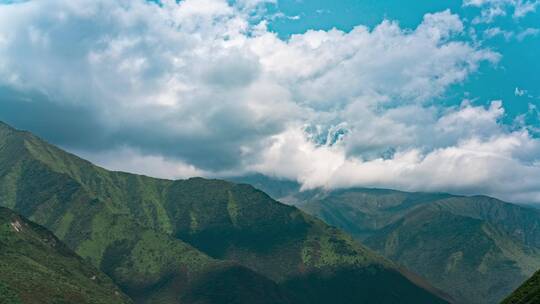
[
  {"x": 527, "y": 293},
  {"x": 282, "y": 190},
  {"x": 477, "y": 249},
  {"x": 195, "y": 240},
  {"x": 36, "y": 267}
]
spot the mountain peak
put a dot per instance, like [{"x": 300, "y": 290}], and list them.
[{"x": 191, "y": 224}]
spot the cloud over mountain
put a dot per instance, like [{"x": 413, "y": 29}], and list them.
[{"x": 204, "y": 87}]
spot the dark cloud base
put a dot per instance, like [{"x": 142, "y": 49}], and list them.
[{"x": 77, "y": 127}]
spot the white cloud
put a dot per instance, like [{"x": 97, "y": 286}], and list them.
[
  {"x": 492, "y": 9},
  {"x": 497, "y": 31},
  {"x": 201, "y": 87},
  {"x": 329, "y": 68},
  {"x": 483, "y": 156},
  {"x": 136, "y": 162},
  {"x": 527, "y": 33},
  {"x": 493, "y": 32},
  {"x": 520, "y": 92},
  {"x": 523, "y": 8}
]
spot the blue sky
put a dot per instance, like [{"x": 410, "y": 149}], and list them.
[{"x": 431, "y": 96}]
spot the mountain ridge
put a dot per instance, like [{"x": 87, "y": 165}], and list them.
[
  {"x": 431, "y": 233},
  {"x": 195, "y": 224}
]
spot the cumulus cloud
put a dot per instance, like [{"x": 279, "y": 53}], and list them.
[
  {"x": 474, "y": 152},
  {"x": 202, "y": 87},
  {"x": 386, "y": 63}
]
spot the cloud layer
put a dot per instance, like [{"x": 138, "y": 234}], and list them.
[{"x": 202, "y": 87}]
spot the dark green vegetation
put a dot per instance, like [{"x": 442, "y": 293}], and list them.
[
  {"x": 477, "y": 249},
  {"x": 35, "y": 267},
  {"x": 196, "y": 240},
  {"x": 527, "y": 293}
]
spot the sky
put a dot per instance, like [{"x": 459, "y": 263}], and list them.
[{"x": 431, "y": 96}]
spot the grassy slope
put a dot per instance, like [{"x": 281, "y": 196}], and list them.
[
  {"x": 447, "y": 239},
  {"x": 177, "y": 235},
  {"x": 363, "y": 212},
  {"x": 527, "y": 293},
  {"x": 35, "y": 267},
  {"x": 111, "y": 219}
]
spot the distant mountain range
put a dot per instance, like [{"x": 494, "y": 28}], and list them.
[
  {"x": 186, "y": 241},
  {"x": 477, "y": 249}
]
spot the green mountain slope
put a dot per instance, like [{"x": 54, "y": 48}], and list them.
[
  {"x": 193, "y": 240},
  {"x": 477, "y": 249},
  {"x": 527, "y": 293},
  {"x": 363, "y": 212},
  {"x": 35, "y": 267}
]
